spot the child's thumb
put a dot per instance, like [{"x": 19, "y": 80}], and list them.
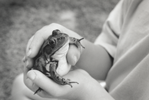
[{"x": 73, "y": 55}]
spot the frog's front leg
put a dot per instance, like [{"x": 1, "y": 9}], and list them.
[{"x": 76, "y": 42}]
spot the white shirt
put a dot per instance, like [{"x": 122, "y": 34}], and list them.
[{"x": 125, "y": 36}]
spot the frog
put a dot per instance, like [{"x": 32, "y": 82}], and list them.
[{"x": 45, "y": 56}]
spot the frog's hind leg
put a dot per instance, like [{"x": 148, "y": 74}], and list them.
[{"x": 68, "y": 82}]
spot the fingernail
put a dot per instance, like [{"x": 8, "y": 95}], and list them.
[
  {"x": 27, "y": 63},
  {"x": 31, "y": 75},
  {"x": 29, "y": 52},
  {"x": 74, "y": 60},
  {"x": 29, "y": 82},
  {"x": 24, "y": 59}
]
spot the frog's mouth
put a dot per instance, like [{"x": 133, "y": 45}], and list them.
[
  {"x": 64, "y": 48},
  {"x": 60, "y": 55}
]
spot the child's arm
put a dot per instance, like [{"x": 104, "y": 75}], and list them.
[{"x": 95, "y": 60}]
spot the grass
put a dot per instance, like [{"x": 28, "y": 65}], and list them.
[{"x": 20, "y": 19}]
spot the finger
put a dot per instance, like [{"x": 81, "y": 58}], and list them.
[
  {"x": 45, "y": 95},
  {"x": 27, "y": 67},
  {"x": 44, "y": 83},
  {"x": 28, "y": 64},
  {"x": 73, "y": 55},
  {"x": 34, "y": 46},
  {"x": 32, "y": 86},
  {"x": 25, "y": 58},
  {"x": 28, "y": 44},
  {"x": 41, "y": 95}
]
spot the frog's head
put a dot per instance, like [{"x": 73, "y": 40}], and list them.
[{"x": 55, "y": 42}]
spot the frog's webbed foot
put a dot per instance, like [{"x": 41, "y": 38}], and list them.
[{"x": 76, "y": 42}]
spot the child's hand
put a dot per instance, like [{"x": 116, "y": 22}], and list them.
[
  {"x": 21, "y": 92},
  {"x": 87, "y": 89},
  {"x": 53, "y": 90},
  {"x": 37, "y": 40},
  {"x": 40, "y": 36}
]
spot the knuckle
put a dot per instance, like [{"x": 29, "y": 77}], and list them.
[
  {"x": 56, "y": 94},
  {"x": 82, "y": 71},
  {"x": 53, "y": 93},
  {"x": 43, "y": 94}
]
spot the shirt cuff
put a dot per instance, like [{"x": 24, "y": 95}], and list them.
[{"x": 109, "y": 48}]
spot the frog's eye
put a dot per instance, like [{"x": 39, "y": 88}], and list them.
[{"x": 52, "y": 43}]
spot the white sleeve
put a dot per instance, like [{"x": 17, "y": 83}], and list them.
[{"x": 111, "y": 30}]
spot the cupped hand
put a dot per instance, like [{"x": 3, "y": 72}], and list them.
[
  {"x": 53, "y": 90},
  {"x": 37, "y": 40},
  {"x": 87, "y": 89},
  {"x": 40, "y": 36}
]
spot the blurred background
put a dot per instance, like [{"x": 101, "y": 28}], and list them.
[{"x": 20, "y": 19}]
